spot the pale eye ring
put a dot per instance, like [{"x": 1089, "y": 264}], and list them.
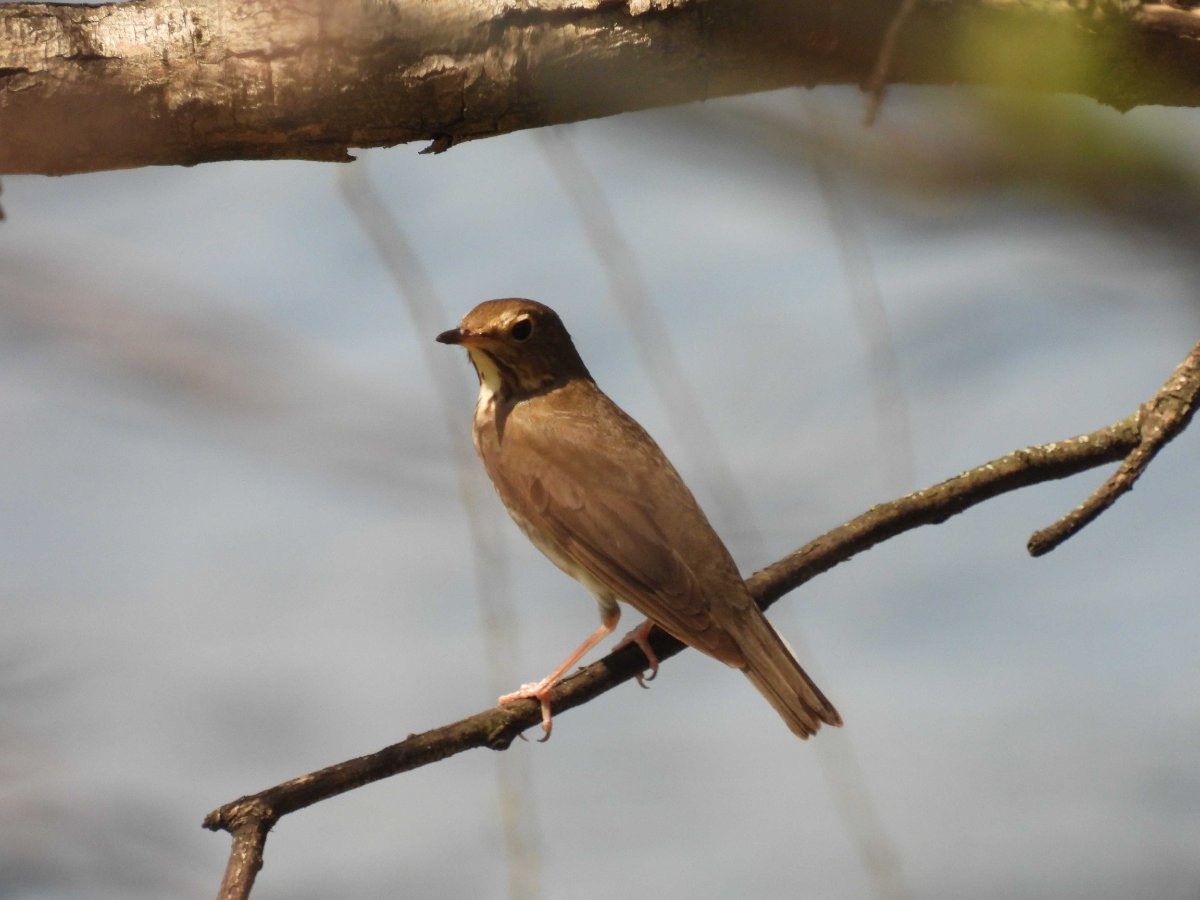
[{"x": 521, "y": 329}]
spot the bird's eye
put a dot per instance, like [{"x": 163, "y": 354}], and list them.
[{"x": 521, "y": 329}]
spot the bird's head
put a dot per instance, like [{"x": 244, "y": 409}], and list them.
[{"x": 518, "y": 347}]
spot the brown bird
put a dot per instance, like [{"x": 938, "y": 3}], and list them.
[{"x": 592, "y": 491}]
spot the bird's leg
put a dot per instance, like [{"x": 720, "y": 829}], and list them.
[
  {"x": 540, "y": 690},
  {"x": 641, "y": 637}
]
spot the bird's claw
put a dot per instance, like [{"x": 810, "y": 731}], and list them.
[
  {"x": 642, "y": 677},
  {"x": 641, "y": 637},
  {"x": 535, "y": 690}
]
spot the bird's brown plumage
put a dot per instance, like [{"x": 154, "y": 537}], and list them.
[{"x": 595, "y": 493}]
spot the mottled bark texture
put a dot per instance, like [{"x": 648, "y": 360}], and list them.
[{"x": 157, "y": 82}]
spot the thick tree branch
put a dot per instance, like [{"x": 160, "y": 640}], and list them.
[
  {"x": 249, "y": 818},
  {"x": 156, "y": 82}
]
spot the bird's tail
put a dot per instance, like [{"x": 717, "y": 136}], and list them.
[{"x": 773, "y": 669}]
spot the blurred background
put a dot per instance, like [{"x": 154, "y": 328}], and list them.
[{"x": 244, "y": 536}]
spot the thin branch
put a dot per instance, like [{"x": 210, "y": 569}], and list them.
[
  {"x": 934, "y": 505},
  {"x": 250, "y": 818},
  {"x": 249, "y": 829},
  {"x": 883, "y": 62},
  {"x": 1159, "y": 420}
]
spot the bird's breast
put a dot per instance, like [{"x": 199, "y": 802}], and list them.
[
  {"x": 492, "y": 449},
  {"x": 485, "y": 415}
]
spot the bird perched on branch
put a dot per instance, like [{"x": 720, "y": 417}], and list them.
[{"x": 593, "y": 491}]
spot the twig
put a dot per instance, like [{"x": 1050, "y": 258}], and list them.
[
  {"x": 883, "y": 62},
  {"x": 249, "y": 827},
  {"x": 934, "y": 505},
  {"x": 1158, "y": 421},
  {"x": 249, "y": 818}
]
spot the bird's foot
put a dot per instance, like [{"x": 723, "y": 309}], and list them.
[
  {"x": 535, "y": 690},
  {"x": 641, "y": 637}
]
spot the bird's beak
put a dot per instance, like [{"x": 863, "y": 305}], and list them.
[{"x": 461, "y": 336}]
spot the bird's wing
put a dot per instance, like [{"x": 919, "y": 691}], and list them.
[{"x": 625, "y": 516}]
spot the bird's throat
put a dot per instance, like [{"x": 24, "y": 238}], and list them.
[
  {"x": 490, "y": 380},
  {"x": 491, "y": 411}
]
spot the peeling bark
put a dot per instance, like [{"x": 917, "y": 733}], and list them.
[{"x": 159, "y": 82}]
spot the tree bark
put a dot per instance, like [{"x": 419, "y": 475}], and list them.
[{"x": 160, "y": 82}]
